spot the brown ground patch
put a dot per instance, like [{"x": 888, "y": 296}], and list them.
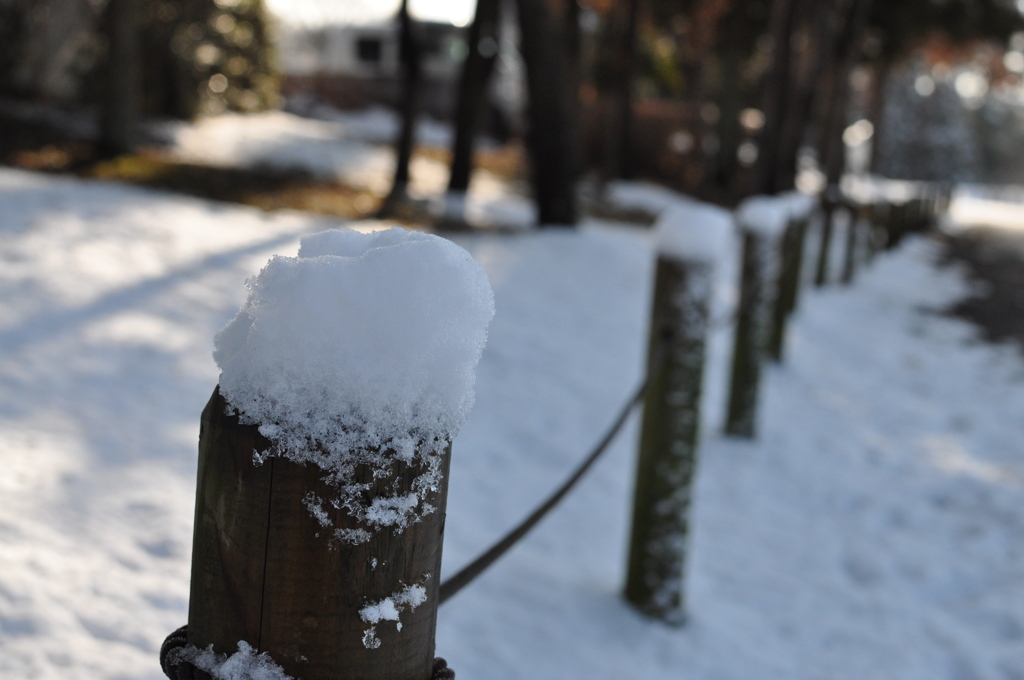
[
  {"x": 995, "y": 258},
  {"x": 39, "y": 146}
]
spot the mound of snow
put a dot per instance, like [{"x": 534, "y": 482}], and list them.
[{"x": 360, "y": 351}]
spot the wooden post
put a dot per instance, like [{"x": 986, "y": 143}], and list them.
[
  {"x": 877, "y": 231},
  {"x": 752, "y": 319},
  {"x": 668, "y": 440},
  {"x": 857, "y": 214},
  {"x": 913, "y": 219},
  {"x": 896, "y": 225},
  {"x": 825, "y": 246},
  {"x": 264, "y": 570},
  {"x": 792, "y": 255}
]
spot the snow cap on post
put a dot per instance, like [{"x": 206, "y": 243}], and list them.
[
  {"x": 693, "y": 232},
  {"x": 766, "y": 215},
  {"x": 363, "y": 340},
  {"x": 799, "y": 204}
]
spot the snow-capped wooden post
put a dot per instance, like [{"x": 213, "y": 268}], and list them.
[
  {"x": 761, "y": 222},
  {"x": 877, "y": 231},
  {"x": 830, "y": 202},
  {"x": 945, "y": 198},
  {"x": 324, "y": 454},
  {"x": 859, "y": 215},
  {"x": 896, "y": 224},
  {"x": 690, "y": 240},
  {"x": 791, "y": 259},
  {"x": 266, "y": 571}
]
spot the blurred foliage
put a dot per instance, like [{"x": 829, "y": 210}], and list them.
[
  {"x": 925, "y": 131},
  {"x": 898, "y": 28},
  {"x": 13, "y": 29},
  {"x": 659, "y": 74},
  {"x": 207, "y": 56},
  {"x": 198, "y": 56},
  {"x": 999, "y": 123},
  {"x": 675, "y": 31}
]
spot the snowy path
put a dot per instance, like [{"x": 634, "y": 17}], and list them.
[{"x": 875, "y": 530}]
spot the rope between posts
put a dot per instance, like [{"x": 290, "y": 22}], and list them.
[
  {"x": 470, "y": 572},
  {"x": 176, "y": 668}
]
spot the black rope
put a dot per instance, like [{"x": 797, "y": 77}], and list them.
[
  {"x": 468, "y": 573},
  {"x": 177, "y": 669},
  {"x": 174, "y": 667}
]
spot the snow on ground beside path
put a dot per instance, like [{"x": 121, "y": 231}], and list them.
[
  {"x": 980, "y": 211},
  {"x": 875, "y": 529},
  {"x": 353, "y": 147},
  {"x": 285, "y": 141}
]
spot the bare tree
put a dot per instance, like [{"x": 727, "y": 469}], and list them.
[
  {"x": 849, "y": 46},
  {"x": 822, "y": 20},
  {"x": 620, "y": 139},
  {"x": 472, "y": 98},
  {"x": 548, "y": 135},
  {"x": 410, "y": 53},
  {"x": 776, "y": 93},
  {"x": 122, "y": 94}
]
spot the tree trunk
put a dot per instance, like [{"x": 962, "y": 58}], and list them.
[
  {"x": 876, "y": 108},
  {"x": 849, "y": 45},
  {"x": 621, "y": 130},
  {"x": 574, "y": 80},
  {"x": 692, "y": 51},
  {"x": 410, "y": 51},
  {"x": 548, "y": 137},
  {"x": 473, "y": 88},
  {"x": 731, "y": 102},
  {"x": 775, "y": 102},
  {"x": 119, "y": 115},
  {"x": 829, "y": 20}
]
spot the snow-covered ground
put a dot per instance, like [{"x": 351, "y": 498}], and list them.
[
  {"x": 351, "y": 146},
  {"x": 874, "y": 530}
]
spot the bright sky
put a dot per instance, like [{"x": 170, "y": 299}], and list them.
[{"x": 318, "y": 12}]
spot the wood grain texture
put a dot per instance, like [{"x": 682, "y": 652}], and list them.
[
  {"x": 266, "y": 571},
  {"x": 668, "y": 440},
  {"x": 829, "y": 207},
  {"x": 752, "y": 326},
  {"x": 788, "y": 287},
  {"x": 229, "y": 536}
]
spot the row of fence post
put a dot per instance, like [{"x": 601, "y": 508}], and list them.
[
  {"x": 772, "y": 264},
  {"x": 260, "y": 574}
]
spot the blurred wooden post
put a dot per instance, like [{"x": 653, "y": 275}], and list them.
[
  {"x": 936, "y": 202},
  {"x": 752, "y": 318},
  {"x": 829, "y": 204},
  {"x": 858, "y": 215},
  {"x": 264, "y": 570},
  {"x": 877, "y": 232},
  {"x": 668, "y": 439},
  {"x": 791, "y": 264},
  {"x": 121, "y": 93},
  {"x": 896, "y": 225},
  {"x": 945, "y": 198},
  {"x": 914, "y": 216}
]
